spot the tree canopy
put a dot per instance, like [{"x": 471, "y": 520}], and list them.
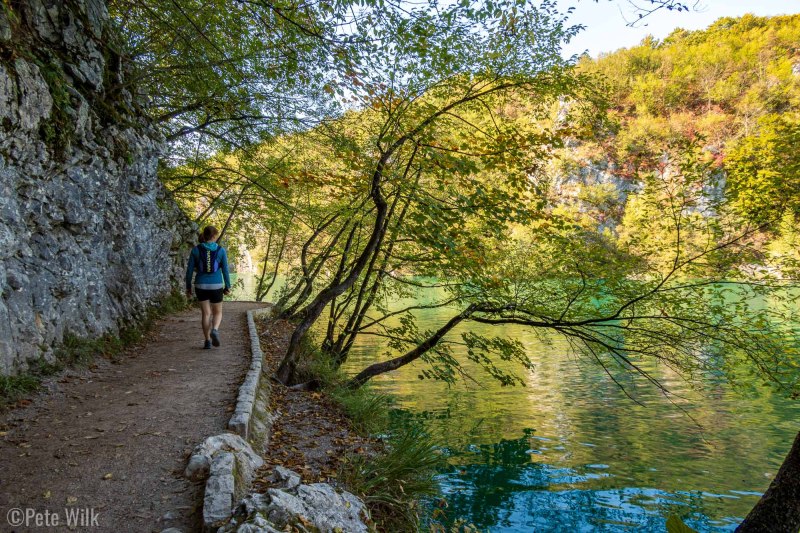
[{"x": 373, "y": 150}]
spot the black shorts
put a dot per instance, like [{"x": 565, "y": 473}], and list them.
[{"x": 215, "y": 295}]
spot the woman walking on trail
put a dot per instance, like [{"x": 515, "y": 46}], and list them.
[{"x": 210, "y": 261}]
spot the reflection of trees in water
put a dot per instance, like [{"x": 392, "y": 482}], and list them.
[
  {"x": 483, "y": 492},
  {"x": 590, "y": 421},
  {"x": 502, "y": 488}
]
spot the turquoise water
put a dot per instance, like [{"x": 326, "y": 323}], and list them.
[
  {"x": 243, "y": 287},
  {"x": 570, "y": 452}
]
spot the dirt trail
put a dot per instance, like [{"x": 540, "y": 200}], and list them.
[{"x": 115, "y": 439}]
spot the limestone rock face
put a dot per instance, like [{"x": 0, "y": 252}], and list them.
[{"x": 89, "y": 237}]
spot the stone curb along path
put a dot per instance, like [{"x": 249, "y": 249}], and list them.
[
  {"x": 228, "y": 463},
  {"x": 240, "y": 422}
]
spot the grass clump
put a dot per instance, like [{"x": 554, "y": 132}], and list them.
[
  {"x": 394, "y": 481},
  {"x": 367, "y": 410},
  {"x": 77, "y": 351},
  {"x": 13, "y": 388},
  {"x": 399, "y": 473}
]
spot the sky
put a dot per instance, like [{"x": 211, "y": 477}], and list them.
[{"x": 606, "y": 28}]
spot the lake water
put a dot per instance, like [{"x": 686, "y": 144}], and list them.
[{"x": 570, "y": 452}]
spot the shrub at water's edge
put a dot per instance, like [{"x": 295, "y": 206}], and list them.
[{"x": 394, "y": 479}]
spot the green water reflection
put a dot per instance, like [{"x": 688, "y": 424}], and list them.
[{"x": 570, "y": 452}]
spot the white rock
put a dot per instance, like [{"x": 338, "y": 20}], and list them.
[
  {"x": 287, "y": 478},
  {"x": 319, "y": 504},
  {"x": 247, "y": 460},
  {"x": 198, "y": 467},
  {"x": 220, "y": 488},
  {"x": 332, "y": 511},
  {"x": 283, "y": 507},
  {"x": 258, "y": 525}
]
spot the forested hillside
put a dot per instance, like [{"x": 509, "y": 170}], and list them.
[{"x": 733, "y": 88}]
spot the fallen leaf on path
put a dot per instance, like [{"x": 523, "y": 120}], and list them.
[
  {"x": 72, "y": 500},
  {"x": 46, "y": 495},
  {"x": 108, "y": 476}
]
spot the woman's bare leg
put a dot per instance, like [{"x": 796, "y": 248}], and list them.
[
  {"x": 216, "y": 311},
  {"x": 205, "y": 317}
]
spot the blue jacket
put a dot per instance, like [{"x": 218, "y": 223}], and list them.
[{"x": 209, "y": 280}]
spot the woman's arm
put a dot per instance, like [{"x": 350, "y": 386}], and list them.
[
  {"x": 223, "y": 263},
  {"x": 190, "y": 272}
]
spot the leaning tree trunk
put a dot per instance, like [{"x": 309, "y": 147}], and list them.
[
  {"x": 778, "y": 510},
  {"x": 263, "y": 276},
  {"x": 421, "y": 349},
  {"x": 287, "y": 369},
  {"x": 262, "y": 292},
  {"x": 286, "y": 372},
  {"x": 232, "y": 213},
  {"x": 282, "y": 303}
]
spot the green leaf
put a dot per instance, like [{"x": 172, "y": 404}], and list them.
[{"x": 676, "y": 525}]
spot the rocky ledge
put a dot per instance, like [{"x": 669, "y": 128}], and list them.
[
  {"x": 294, "y": 506},
  {"x": 229, "y": 464}
]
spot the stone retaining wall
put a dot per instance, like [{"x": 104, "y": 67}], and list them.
[
  {"x": 251, "y": 418},
  {"x": 228, "y": 463}
]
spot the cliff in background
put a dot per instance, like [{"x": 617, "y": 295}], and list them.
[
  {"x": 89, "y": 238},
  {"x": 725, "y": 86}
]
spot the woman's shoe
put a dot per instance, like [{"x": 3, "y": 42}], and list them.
[{"x": 207, "y": 345}]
